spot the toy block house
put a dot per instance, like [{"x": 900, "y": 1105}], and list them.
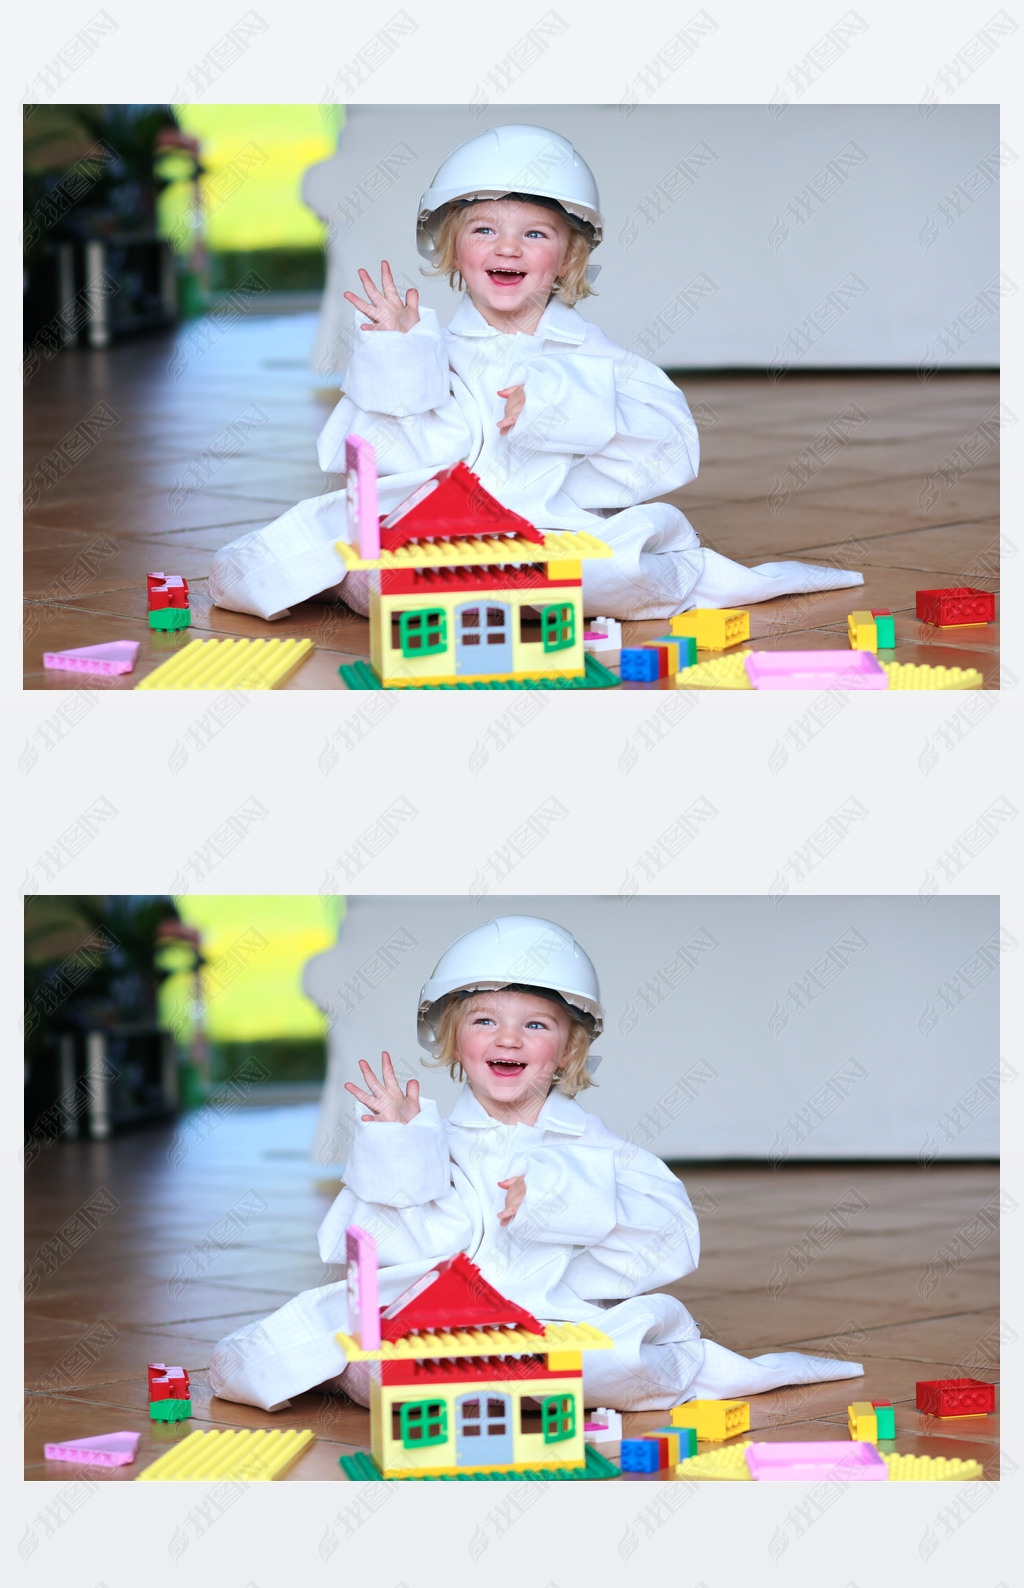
[
  {"x": 469, "y": 592},
  {"x": 466, "y": 1383}
]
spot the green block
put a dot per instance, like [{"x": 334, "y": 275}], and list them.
[
  {"x": 885, "y": 630},
  {"x": 361, "y": 1466},
  {"x": 170, "y": 1411},
  {"x": 170, "y": 618},
  {"x": 885, "y": 1418},
  {"x": 360, "y": 675}
]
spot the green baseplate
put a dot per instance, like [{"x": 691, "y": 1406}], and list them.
[
  {"x": 360, "y": 675},
  {"x": 362, "y": 1466}
]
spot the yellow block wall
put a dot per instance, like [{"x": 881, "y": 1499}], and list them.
[
  {"x": 528, "y": 1450},
  {"x": 529, "y": 657}
]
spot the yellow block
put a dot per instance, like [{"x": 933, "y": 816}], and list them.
[
  {"x": 241, "y": 1455},
  {"x": 565, "y": 1362},
  {"x": 229, "y": 664},
  {"x": 724, "y": 672},
  {"x": 908, "y": 675},
  {"x": 565, "y": 570},
  {"x": 480, "y": 550},
  {"x": 862, "y": 1422},
  {"x": 714, "y": 628},
  {"x": 712, "y": 1419},
  {"x": 926, "y": 1469},
  {"x": 426, "y": 680},
  {"x": 863, "y": 632},
  {"x": 722, "y": 1465}
]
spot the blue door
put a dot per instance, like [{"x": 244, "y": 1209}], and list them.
[
  {"x": 483, "y": 1430},
  {"x": 483, "y": 637}
]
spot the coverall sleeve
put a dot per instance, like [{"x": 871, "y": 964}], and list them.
[
  {"x": 627, "y": 1212},
  {"x": 628, "y": 427},
  {"x": 398, "y": 1187},
  {"x": 397, "y": 394}
]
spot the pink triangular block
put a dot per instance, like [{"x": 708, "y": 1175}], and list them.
[
  {"x": 105, "y": 1450},
  {"x": 117, "y": 657}
]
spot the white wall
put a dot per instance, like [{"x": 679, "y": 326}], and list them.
[
  {"x": 728, "y": 1019},
  {"x": 898, "y": 223}
]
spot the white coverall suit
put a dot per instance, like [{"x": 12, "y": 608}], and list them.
[
  {"x": 601, "y": 431},
  {"x": 601, "y": 1222}
]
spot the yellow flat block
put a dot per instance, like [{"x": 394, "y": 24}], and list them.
[
  {"x": 863, "y": 632},
  {"x": 714, "y": 628},
  {"x": 909, "y": 675},
  {"x": 403, "y": 681},
  {"x": 724, "y": 672},
  {"x": 229, "y": 664},
  {"x": 722, "y": 1465},
  {"x": 712, "y": 1419},
  {"x": 520, "y": 1466},
  {"x": 241, "y": 1455},
  {"x": 480, "y": 1342},
  {"x": 479, "y": 551},
  {"x": 926, "y": 1469},
  {"x": 862, "y": 1422}
]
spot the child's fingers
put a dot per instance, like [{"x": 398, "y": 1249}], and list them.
[
  {"x": 412, "y": 1091},
  {"x": 364, "y": 1097}
]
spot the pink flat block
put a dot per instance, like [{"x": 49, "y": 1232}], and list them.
[
  {"x": 117, "y": 657},
  {"x": 840, "y": 1460},
  {"x": 815, "y": 670},
  {"x": 105, "y": 1450}
]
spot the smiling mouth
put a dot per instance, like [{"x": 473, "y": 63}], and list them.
[
  {"x": 507, "y": 278},
  {"x": 505, "y": 1066}
]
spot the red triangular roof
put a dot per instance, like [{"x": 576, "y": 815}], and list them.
[
  {"x": 455, "y": 504},
  {"x": 453, "y": 1295}
]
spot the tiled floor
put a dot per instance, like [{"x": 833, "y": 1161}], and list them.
[
  {"x": 152, "y": 1284},
  {"x": 205, "y": 437}
]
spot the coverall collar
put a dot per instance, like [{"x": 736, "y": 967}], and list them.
[
  {"x": 559, "y": 1113},
  {"x": 558, "y": 323}
]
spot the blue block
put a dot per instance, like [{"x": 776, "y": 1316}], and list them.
[
  {"x": 639, "y": 666},
  {"x": 639, "y": 1455}
]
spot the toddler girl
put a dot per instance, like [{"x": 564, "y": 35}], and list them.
[
  {"x": 561, "y": 1215},
  {"x": 560, "y": 424}
]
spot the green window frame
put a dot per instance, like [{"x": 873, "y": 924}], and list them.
[
  {"x": 423, "y": 632},
  {"x": 558, "y": 1417},
  {"x": 558, "y": 627},
  {"x": 423, "y": 1423}
]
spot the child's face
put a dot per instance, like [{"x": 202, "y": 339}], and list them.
[
  {"x": 510, "y": 1044},
  {"x": 509, "y": 255}
]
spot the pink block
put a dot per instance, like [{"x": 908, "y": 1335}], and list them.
[
  {"x": 361, "y": 497},
  {"x": 117, "y": 657},
  {"x": 839, "y": 1460},
  {"x": 363, "y": 1296},
  {"x": 105, "y": 1450},
  {"x": 815, "y": 670}
]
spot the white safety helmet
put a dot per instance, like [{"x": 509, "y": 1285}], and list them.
[
  {"x": 523, "y": 160},
  {"x": 512, "y": 951}
]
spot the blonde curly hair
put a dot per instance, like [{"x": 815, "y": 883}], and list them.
[
  {"x": 572, "y": 1075},
  {"x": 571, "y": 285}
]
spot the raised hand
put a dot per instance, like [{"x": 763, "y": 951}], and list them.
[
  {"x": 385, "y": 311},
  {"x": 385, "y": 1098},
  {"x": 515, "y": 1191},
  {"x": 515, "y": 402}
]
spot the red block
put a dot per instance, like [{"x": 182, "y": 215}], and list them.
[
  {"x": 166, "y": 590},
  {"x": 956, "y": 1397},
  {"x": 951, "y": 607},
  {"x": 664, "y": 654},
  {"x": 168, "y": 1383}
]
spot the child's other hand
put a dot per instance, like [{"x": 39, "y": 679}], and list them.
[
  {"x": 515, "y": 1190},
  {"x": 385, "y": 310},
  {"x": 515, "y": 402},
  {"x": 385, "y": 1099}
]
